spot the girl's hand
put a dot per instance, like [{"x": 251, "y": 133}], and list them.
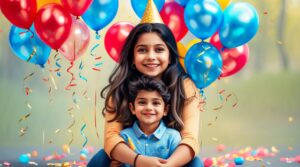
[{"x": 145, "y": 161}]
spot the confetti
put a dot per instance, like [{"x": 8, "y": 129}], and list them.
[
  {"x": 70, "y": 126},
  {"x": 71, "y": 84},
  {"x": 83, "y": 135},
  {"x": 23, "y": 131},
  {"x": 24, "y": 117}
]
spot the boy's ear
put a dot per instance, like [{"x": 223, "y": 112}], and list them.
[
  {"x": 167, "y": 107},
  {"x": 131, "y": 107}
]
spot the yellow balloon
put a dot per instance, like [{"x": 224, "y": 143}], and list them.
[
  {"x": 41, "y": 3},
  {"x": 182, "y": 52},
  {"x": 192, "y": 42},
  {"x": 224, "y": 3}
]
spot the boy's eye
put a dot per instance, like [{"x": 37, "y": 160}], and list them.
[{"x": 141, "y": 102}]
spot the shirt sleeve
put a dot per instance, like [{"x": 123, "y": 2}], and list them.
[
  {"x": 191, "y": 116},
  {"x": 111, "y": 132}
]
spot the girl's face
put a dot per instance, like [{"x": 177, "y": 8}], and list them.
[{"x": 151, "y": 55}]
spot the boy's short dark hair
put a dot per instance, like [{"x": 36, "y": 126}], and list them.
[{"x": 148, "y": 84}]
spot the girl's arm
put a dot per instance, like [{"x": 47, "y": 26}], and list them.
[{"x": 189, "y": 146}]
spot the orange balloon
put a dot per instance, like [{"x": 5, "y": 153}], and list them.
[
  {"x": 181, "y": 51},
  {"x": 41, "y": 3},
  {"x": 192, "y": 42}
]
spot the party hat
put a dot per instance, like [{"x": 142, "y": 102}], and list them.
[{"x": 151, "y": 14}]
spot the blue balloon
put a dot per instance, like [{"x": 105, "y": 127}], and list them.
[
  {"x": 100, "y": 13},
  {"x": 139, "y": 6},
  {"x": 239, "y": 26},
  {"x": 182, "y": 2},
  {"x": 203, "y": 63},
  {"x": 203, "y": 17},
  {"x": 28, "y": 46}
]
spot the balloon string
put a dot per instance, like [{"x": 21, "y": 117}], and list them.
[
  {"x": 72, "y": 77},
  {"x": 83, "y": 135}
]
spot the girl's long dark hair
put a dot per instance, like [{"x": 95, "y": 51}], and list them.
[{"x": 116, "y": 92}]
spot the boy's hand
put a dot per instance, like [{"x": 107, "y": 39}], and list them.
[{"x": 145, "y": 161}]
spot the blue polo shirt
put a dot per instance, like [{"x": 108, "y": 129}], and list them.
[{"x": 162, "y": 143}]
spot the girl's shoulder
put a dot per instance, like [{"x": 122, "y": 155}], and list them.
[{"x": 189, "y": 87}]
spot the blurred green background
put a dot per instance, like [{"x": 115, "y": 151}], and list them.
[{"x": 266, "y": 91}]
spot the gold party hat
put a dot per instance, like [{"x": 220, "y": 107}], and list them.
[{"x": 151, "y": 14}]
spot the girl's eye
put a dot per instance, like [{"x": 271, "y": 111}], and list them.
[
  {"x": 156, "y": 103},
  {"x": 159, "y": 50},
  {"x": 141, "y": 50}
]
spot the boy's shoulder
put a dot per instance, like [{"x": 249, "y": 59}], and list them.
[{"x": 172, "y": 132}]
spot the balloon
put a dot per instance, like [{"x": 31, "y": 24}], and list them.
[
  {"x": 27, "y": 46},
  {"x": 215, "y": 41},
  {"x": 203, "y": 63},
  {"x": 77, "y": 42},
  {"x": 192, "y": 42},
  {"x": 115, "y": 38},
  {"x": 41, "y": 3},
  {"x": 223, "y": 3},
  {"x": 53, "y": 25},
  {"x": 76, "y": 8},
  {"x": 203, "y": 18},
  {"x": 172, "y": 15},
  {"x": 181, "y": 53},
  {"x": 234, "y": 60},
  {"x": 139, "y": 6},
  {"x": 240, "y": 24},
  {"x": 182, "y": 2},
  {"x": 21, "y": 13},
  {"x": 100, "y": 13}
]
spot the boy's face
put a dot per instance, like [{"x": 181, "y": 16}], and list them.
[
  {"x": 149, "y": 107},
  {"x": 151, "y": 55}
]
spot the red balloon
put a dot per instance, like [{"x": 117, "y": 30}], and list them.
[
  {"x": 215, "y": 41},
  {"x": 76, "y": 8},
  {"x": 234, "y": 60},
  {"x": 173, "y": 16},
  {"x": 115, "y": 38},
  {"x": 53, "y": 25},
  {"x": 21, "y": 13}
]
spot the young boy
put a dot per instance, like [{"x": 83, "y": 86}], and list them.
[{"x": 149, "y": 104}]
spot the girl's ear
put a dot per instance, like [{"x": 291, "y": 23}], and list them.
[
  {"x": 131, "y": 107},
  {"x": 166, "y": 110}
]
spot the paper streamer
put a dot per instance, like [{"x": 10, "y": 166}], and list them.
[
  {"x": 83, "y": 135},
  {"x": 71, "y": 84}
]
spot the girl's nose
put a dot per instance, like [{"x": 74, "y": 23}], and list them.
[{"x": 151, "y": 55}]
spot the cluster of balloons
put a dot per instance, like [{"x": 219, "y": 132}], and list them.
[
  {"x": 223, "y": 29},
  {"x": 39, "y": 25}
]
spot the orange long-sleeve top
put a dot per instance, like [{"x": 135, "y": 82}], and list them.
[{"x": 190, "y": 118}]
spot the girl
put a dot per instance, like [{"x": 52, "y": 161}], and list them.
[{"x": 150, "y": 50}]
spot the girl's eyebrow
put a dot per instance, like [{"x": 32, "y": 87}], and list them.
[{"x": 146, "y": 45}]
